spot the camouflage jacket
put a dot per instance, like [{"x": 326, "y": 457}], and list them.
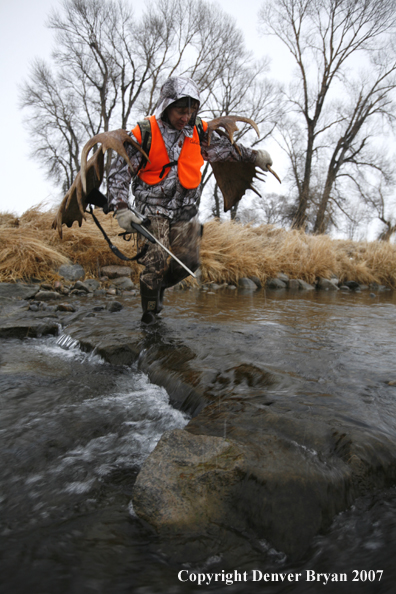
[{"x": 168, "y": 197}]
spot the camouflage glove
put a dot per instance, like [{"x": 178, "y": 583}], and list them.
[{"x": 125, "y": 217}]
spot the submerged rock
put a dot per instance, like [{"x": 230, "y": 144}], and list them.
[
  {"x": 282, "y": 276},
  {"x": 191, "y": 482},
  {"x": 28, "y": 329},
  {"x": 325, "y": 284},
  {"x": 353, "y": 285},
  {"x": 91, "y": 284},
  {"x": 115, "y": 306},
  {"x": 66, "y": 307},
  {"x": 124, "y": 283},
  {"x": 47, "y": 296},
  {"x": 256, "y": 281},
  {"x": 82, "y": 286},
  {"x": 293, "y": 284},
  {"x": 304, "y": 286},
  {"x": 185, "y": 482}
]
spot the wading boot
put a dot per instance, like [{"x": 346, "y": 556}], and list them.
[{"x": 151, "y": 303}]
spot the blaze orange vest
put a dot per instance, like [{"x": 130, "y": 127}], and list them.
[{"x": 188, "y": 165}]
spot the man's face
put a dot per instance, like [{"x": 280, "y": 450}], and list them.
[{"x": 179, "y": 116}]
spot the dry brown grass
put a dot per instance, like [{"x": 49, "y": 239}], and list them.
[
  {"x": 29, "y": 247},
  {"x": 34, "y": 249},
  {"x": 24, "y": 256},
  {"x": 230, "y": 251},
  {"x": 8, "y": 219}
]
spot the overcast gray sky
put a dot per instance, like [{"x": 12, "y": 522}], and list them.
[{"x": 23, "y": 37}]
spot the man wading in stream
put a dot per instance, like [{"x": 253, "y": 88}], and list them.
[{"x": 167, "y": 189}]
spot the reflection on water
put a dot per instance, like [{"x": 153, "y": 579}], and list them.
[{"x": 74, "y": 432}]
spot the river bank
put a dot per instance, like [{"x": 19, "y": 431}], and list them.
[{"x": 30, "y": 249}]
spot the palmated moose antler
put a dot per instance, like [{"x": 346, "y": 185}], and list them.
[
  {"x": 234, "y": 178},
  {"x": 74, "y": 204}
]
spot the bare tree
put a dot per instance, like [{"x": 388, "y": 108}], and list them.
[
  {"x": 271, "y": 209},
  {"x": 381, "y": 200},
  {"x": 325, "y": 38},
  {"x": 369, "y": 103},
  {"x": 55, "y": 133},
  {"x": 95, "y": 78},
  {"x": 108, "y": 67},
  {"x": 216, "y": 208}
]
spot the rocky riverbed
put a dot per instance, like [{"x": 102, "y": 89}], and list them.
[{"x": 284, "y": 434}]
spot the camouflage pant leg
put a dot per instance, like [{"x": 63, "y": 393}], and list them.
[
  {"x": 183, "y": 239},
  {"x": 156, "y": 259}
]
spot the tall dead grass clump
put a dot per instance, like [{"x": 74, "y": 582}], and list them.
[
  {"x": 7, "y": 219},
  {"x": 24, "y": 256},
  {"x": 86, "y": 245},
  {"x": 305, "y": 257},
  {"x": 367, "y": 262},
  {"x": 230, "y": 251},
  {"x": 34, "y": 249}
]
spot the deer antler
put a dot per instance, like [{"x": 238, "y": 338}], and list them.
[
  {"x": 110, "y": 140},
  {"x": 73, "y": 205},
  {"x": 229, "y": 124}
]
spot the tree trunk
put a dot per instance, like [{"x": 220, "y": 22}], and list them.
[
  {"x": 303, "y": 198},
  {"x": 233, "y": 212},
  {"x": 320, "y": 226},
  {"x": 386, "y": 235},
  {"x": 216, "y": 209}
]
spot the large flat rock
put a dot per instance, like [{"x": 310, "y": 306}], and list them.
[
  {"x": 260, "y": 453},
  {"x": 18, "y": 290}
]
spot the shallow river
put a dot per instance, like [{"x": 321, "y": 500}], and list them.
[{"x": 75, "y": 430}]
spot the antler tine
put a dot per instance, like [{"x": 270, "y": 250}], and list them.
[
  {"x": 273, "y": 173},
  {"x": 81, "y": 207},
  {"x": 57, "y": 222},
  {"x": 109, "y": 140},
  {"x": 229, "y": 124}
]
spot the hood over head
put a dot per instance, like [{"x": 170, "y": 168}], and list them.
[{"x": 173, "y": 90}]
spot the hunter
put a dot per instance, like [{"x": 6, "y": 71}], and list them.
[{"x": 167, "y": 188}]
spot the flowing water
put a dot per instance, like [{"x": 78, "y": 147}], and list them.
[{"x": 75, "y": 430}]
